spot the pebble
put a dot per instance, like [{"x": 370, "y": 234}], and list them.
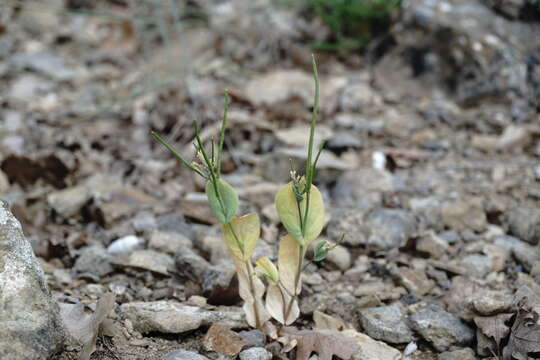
[
  {"x": 524, "y": 223},
  {"x": 390, "y": 228},
  {"x": 372, "y": 349},
  {"x": 386, "y": 323},
  {"x": 441, "y": 328},
  {"x": 125, "y": 245},
  {"x": 415, "y": 281},
  {"x": 171, "y": 317},
  {"x": 93, "y": 262},
  {"x": 183, "y": 355},
  {"x": 461, "y": 354},
  {"x": 464, "y": 214},
  {"x": 253, "y": 338},
  {"x": 432, "y": 244},
  {"x": 168, "y": 242},
  {"x": 491, "y": 302},
  {"x": 340, "y": 257},
  {"x": 476, "y": 265},
  {"x": 223, "y": 340},
  {"x": 148, "y": 260},
  {"x": 256, "y": 353}
]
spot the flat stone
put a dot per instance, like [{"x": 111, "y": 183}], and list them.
[
  {"x": 31, "y": 324},
  {"x": 386, "y": 323},
  {"x": 372, "y": 349},
  {"x": 253, "y": 338},
  {"x": 168, "y": 242},
  {"x": 44, "y": 62},
  {"x": 223, "y": 340},
  {"x": 148, "y": 260},
  {"x": 171, "y": 317},
  {"x": 183, "y": 355},
  {"x": 256, "y": 353},
  {"x": 390, "y": 228},
  {"x": 524, "y": 223},
  {"x": 476, "y": 265},
  {"x": 340, "y": 257},
  {"x": 93, "y": 262},
  {"x": 432, "y": 244},
  {"x": 526, "y": 254},
  {"x": 441, "y": 328},
  {"x": 490, "y": 302},
  {"x": 464, "y": 214},
  {"x": 461, "y": 354},
  {"x": 415, "y": 281}
]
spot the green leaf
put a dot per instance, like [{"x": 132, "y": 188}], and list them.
[
  {"x": 242, "y": 234},
  {"x": 320, "y": 252},
  {"x": 268, "y": 269},
  {"x": 224, "y": 204},
  {"x": 287, "y": 209}
]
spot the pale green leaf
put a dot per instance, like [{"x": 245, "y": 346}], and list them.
[
  {"x": 268, "y": 269},
  {"x": 242, "y": 234},
  {"x": 224, "y": 204},
  {"x": 292, "y": 215}
]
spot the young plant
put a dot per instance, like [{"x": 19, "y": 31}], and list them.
[{"x": 301, "y": 210}]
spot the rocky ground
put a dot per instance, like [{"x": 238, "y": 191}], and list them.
[{"x": 431, "y": 171}]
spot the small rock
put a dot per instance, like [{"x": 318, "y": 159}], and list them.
[
  {"x": 429, "y": 211},
  {"x": 340, "y": 257},
  {"x": 256, "y": 353},
  {"x": 491, "y": 302},
  {"x": 415, "y": 281},
  {"x": 526, "y": 254},
  {"x": 150, "y": 260},
  {"x": 476, "y": 265},
  {"x": 390, "y": 228},
  {"x": 27, "y": 87},
  {"x": 93, "y": 262},
  {"x": 461, "y": 354},
  {"x": 363, "y": 188},
  {"x": 144, "y": 222},
  {"x": 216, "y": 284},
  {"x": 524, "y": 223},
  {"x": 125, "y": 245},
  {"x": 349, "y": 222},
  {"x": 372, "y": 349},
  {"x": 324, "y": 321},
  {"x": 31, "y": 324},
  {"x": 441, "y": 328},
  {"x": 253, "y": 338},
  {"x": 69, "y": 202},
  {"x": 4, "y": 183},
  {"x": 432, "y": 244},
  {"x": 223, "y": 340},
  {"x": 183, "y": 355},
  {"x": 464, "y": 214},
  {"x": 386, "y": 323},
  {"x": 168, "y": 242},
  {"x": 171, "y": 317},
  {"x": 44, "y": 62},
  {"x": 370, "y": 288}
]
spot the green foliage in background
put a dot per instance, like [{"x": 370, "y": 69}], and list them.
[{"x": 352, "y": 23}]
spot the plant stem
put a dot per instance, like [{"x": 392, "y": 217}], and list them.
[
  {"x": 252, "y": 291},
  {"x": 296, "y": 281},
  {"x": 176, "y": 154}
]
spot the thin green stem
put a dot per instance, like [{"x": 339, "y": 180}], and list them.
[
  {"x": 222, "y": 131},
  {"x": 176, "y": 154},
  {"x": 310, "y": 168}
]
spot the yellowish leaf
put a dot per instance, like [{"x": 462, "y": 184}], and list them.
[
  {"x": 268, "y": 269},
  {"x": 292, "y": 215},
  {"x": 242, "y": 234},
  {"x": 278, "y": 304},
  {"x": 289, "y": 264}
]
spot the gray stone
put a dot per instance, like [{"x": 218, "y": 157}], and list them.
[
  {"x": 432, "y": 244},
  {"x": 31, "y": 325},
  {"x": 526, "y": 254},
  {"x": 253, "y": 338},
  {"x": 461, "y": 354},
  {"x": 386, "y": 323},
  {"x": 363, "y": 188},
  {"x": 68, "y": 202},
  {"x": 524, "y": 223},
  {"x": 476, "y": 265},
  {"x": 183, "y": 355},
  {"x": 214, "y": 282},
  {"x": 340, "y": 257},
  {"x": 171, "y": 317},
  {"x": 43, "y": 62},
  {"x": 148, "y": 260},
  {"x": 349, "y": 222},
  {"x": 168, "y": 242},
  {"x": 441, "y": 328},
  {"x": 390, "y": 228},
  {"x": 491, "y": 302},
  {"x": 93, "y": 262},
  {"x": 27, "y": 87},
  {"x": 466, "y": 213},
  {"x": 256, "y": 353},
  {"x": 429, "y": 211}
]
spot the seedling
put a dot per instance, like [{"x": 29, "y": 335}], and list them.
[{"x": 300, "y": 208}]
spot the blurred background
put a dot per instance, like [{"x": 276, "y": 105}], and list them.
[{"x": 430, "y": 111}]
